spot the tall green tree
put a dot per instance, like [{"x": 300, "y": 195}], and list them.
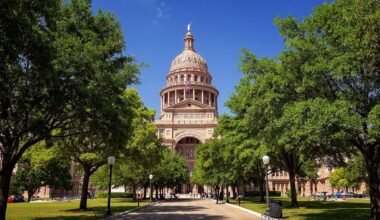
[
  {"x": 243, "y": 154},
  {"x": 171, "y": 171},
  {"x": 99, "y": 139},
  {"x": 56, "y": 59},
  {"x": 29, "y": 103},
  {"x": 337, "y": 50},
  {"x": 260, "y": 102},
  {"x": 211, "y": 167}
]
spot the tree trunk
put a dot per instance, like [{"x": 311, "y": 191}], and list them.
[
  {"x": 144, "y": 192},
  {"x": 233, "y": 187},
  {"x": 244, "y": 190},
  {"x": 299, "y": 185},
  {"x": 221, "y": 193},
  {"x": 30, "y": 195},
  {"x": 156, "y": 192},
  {"x": 293, "y": 190},
  {"x": 5, "y": 179},
  {"x": 261, "y": 188},
  {"x": 134, "y": 192},
  {"x": 373, "y": 185},
  {"x": 83, "y": 198}
]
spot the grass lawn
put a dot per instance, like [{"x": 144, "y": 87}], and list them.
[
  {"x": 350, "y": 209},
  {"x": 68, "y": 210}
]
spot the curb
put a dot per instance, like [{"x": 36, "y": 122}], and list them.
[
  {"x": 257, "y": 214},
  {"x": 121, "y": 214}
]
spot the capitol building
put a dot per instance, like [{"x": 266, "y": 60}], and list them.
[
  {"x": 189, "y": 106},
  {"x": 189, "y": 115}
]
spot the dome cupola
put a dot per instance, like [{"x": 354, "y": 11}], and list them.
[{"x": 188, "y": 59}]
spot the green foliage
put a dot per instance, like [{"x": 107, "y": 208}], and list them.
[
  {"x": 338, "y": 180},
  {"x": 258, "y": 193},
  {"x": 144, "y": 154},
  {"x": 333, "y": 57},
  {"x": 171, "y": 170},
  {"x": 114, "y": 195},
  {"x": 210, "y": 164},
  {"x": 350, "y": 176},
  {"x": 318, "y": 100},
  {"x": 64, "y": 73},
  {"x": 34, "y": 172}
]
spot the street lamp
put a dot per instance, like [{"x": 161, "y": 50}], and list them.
[
  {"x": 150, "y": 183},
  {"x": 111, "y": 162},
  {"x": 266, "y": 163}
]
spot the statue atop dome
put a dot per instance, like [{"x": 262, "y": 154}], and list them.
[{"x": 189, "y": 27}]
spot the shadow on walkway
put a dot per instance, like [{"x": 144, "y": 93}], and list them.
[{"x": 176, "y": 209}]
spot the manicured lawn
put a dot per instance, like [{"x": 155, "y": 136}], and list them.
[
  {"x": 68, "y": 210},
  {"x": 349, "y": 209}
]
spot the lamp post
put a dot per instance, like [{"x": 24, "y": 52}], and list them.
[
  {"x": 111, "y": 161},
  {"x": 266, "y": 163},
  {"x": 150, "y": 183}
]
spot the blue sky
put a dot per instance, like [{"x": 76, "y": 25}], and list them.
[{"x": 154, "y": 31}]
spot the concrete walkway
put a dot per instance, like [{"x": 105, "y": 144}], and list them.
[{"x": 183, "y": 209}]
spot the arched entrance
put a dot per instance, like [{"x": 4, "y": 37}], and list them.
[{"x": 186, "y": 147}]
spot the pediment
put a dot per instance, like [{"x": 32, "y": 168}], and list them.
[{"x": 190, "y": 104}]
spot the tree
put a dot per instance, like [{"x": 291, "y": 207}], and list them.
[
  {"x": 351, "y": 175},
  {"x": 29, "y": 108},
  {"x": 356, "y": 172},
  {"x": 243, "y": 153},
  {"x": 211, "y": 167},
  {"x": 337, "y": 50},
  {"x": 99, "y": 139},
  {"x": 53, "y": 57},
  {"x": 42, "y": 167},
  {"x": 261, "y": 102},
  {"x": 338, "y": 180},
  {"x": 171, "y": 171}
]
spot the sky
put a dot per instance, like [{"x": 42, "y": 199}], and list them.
[{"x": 154, "y": 32}]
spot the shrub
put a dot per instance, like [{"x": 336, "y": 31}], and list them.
[
  {"x": 114, "y": 195},
  {"x": 257, "y": 193}
]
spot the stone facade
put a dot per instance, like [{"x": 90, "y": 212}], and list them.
[
  {"x": 189, "y": 106},
  {"x": 279, "y": 181}
]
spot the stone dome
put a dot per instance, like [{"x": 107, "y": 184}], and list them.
[{"x": 189, "y": 59}]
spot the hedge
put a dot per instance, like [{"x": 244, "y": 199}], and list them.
[
  {"x": 257, "y": 193},
  {"x": 114, "y": 195}
]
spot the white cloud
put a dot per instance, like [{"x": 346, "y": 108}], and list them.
[{"x": 161, "y": 11}]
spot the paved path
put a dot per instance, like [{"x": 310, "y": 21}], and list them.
[{"x": 183, "y": 209}]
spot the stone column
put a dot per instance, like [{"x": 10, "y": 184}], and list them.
[
  {"x": 202, "y": 95},
  {"x": 166, "y": 99},
  {"x": 216, "y": 102},
  {"x": 209, "y": 98},
  {"x": 193, "y": 94},
  {"x": 175, "y": 96}
]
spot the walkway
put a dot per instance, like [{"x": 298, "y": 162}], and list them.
[{"x": 183, "y": 209}]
